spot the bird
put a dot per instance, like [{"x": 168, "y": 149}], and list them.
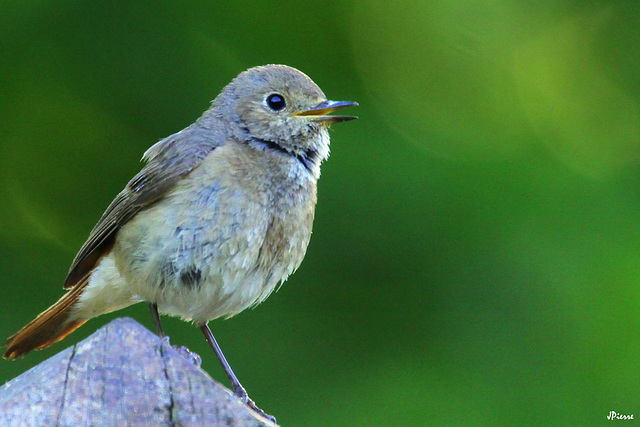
[{"x": 218, "y": 217}]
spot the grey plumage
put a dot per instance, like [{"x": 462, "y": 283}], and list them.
[
  {"x": 168, "y": 160},
  {"x": 217, "y": 218}
]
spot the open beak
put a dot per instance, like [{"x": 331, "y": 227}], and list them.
[{"x": 320, "y": 113}]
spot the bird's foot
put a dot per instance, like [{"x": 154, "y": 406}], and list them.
[
  {"x": 241, "y": 394},
  {"x": 192, "y": 357}
]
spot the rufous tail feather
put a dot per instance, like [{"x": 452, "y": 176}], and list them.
[{"x": 49, "y": 327}]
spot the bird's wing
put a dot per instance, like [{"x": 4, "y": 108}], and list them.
[{"x": 168, "y": 161}]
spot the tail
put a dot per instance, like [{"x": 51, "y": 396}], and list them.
[{"x": 49, "y": 327}]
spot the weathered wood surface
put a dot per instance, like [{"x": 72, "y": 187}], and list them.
[{"x": 122, "y": 375}]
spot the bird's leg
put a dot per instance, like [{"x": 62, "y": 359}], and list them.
[
  {"x": 153, "y": 307},
  {"x": 238, "y": 390}
]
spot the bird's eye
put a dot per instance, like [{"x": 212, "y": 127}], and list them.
[{"x": 276, "y": 102}]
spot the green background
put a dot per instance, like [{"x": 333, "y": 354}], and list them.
[{"x": 476, "y": 250}]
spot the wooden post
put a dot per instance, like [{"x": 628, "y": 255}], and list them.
[{"x": 122, "y": 375}]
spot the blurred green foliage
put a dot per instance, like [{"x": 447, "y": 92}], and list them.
[{"x": 476, "y": 251}]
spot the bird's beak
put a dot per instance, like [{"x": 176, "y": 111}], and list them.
[{"x": 320, "y": 113}]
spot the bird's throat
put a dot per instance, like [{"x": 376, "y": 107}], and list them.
[{"x": 307, "y": 158}]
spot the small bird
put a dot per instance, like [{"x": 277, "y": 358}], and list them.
[{"x": 219, "y": 216}]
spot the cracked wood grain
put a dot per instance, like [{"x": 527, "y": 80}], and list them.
[{"x": 122, "y": 375}]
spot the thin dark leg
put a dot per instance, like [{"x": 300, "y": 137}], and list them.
[
  {"x": 156, "y": 319},
  {"x": 238, "y": 390}
]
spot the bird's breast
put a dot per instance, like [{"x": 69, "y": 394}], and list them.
[{"x": 220, "y": 241}]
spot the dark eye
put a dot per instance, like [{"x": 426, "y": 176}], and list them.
[{"x": 276, "y": 102}]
